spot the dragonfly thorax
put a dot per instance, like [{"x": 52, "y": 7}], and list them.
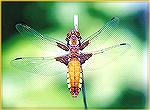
[
  {"x": 73, "y": 37},
  {"x": 74, "y": 51},
  {"x": 73, "y": 41}
]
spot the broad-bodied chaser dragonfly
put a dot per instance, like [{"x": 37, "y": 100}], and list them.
[{"x": 75, "y": 57}]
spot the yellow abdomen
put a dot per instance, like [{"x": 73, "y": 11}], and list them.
[{"x": 74, "y": 77}]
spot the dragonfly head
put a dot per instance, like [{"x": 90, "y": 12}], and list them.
[{"x": 73, "y": 37}]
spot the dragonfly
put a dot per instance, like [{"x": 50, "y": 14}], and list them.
[{"x": 75, "y": 57}]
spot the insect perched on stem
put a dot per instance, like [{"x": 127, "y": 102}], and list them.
[{"x": 75, "y": 57}]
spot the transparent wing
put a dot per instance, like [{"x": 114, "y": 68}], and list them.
[
  {"x": 104, "y": 56},
  {"x": 103, "y": 34},
  {"x": 42, "y": 41},
  {"x": 39, "y": 65}
]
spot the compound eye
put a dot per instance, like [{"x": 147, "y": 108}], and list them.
[
  {"x": 78, "y": 34},
  {"x": 67, "y": 39},
  {"x": 68, "y": 35}
]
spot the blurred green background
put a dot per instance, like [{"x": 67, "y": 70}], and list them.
[{"x": 120, "y": 84}]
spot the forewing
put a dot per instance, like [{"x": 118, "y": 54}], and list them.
[
  {"x": 103, "y": 34},
  {"x": 35, "y": 37},
  {"x": 102, "y": 57},
  {"x": 39, "y": 65}
]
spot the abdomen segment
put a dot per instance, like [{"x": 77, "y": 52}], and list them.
[{"x": 74, "y": 77}]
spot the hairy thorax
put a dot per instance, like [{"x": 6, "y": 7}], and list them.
[{"x": 74, "y": 52}]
